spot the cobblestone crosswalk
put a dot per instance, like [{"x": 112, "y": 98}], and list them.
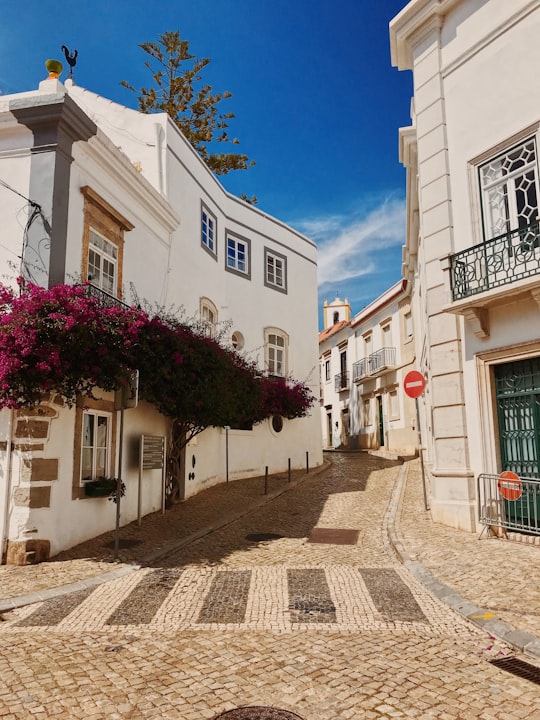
[{"x": 252, "y": 598}]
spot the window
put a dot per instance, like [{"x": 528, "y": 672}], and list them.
[
  {"x": 387, "y": 335},
  {"x": 237, "y": 340},
  {"x": 408, "y": 325},
  {"x": 276, "y": 344},
  {"x": 103, "y": 243},
  {"x": 96, "y": 430},
  {"x": 238, "y": 260},
  {"x": 209, "y": 317},
  {"x": 275, "y": 274},
  {"x": 208, "y": 231},
  {"x": 277, "y": 423},
  {"x": 367, "y": 344},
  {"x": 102, "y": 263},
  {"x": 327, "y": 370},
  {"x": 394, "y": 404},
  {"x": 510, "y": 190},
  {"x": 367, "y": 412}
]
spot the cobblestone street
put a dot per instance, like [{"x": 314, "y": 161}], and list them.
[{"x": 264, "y": 612}]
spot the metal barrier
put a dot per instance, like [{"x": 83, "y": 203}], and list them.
[{"x": 509, "y": 504}]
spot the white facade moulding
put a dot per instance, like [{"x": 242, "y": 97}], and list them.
[{"x": 412, "y": 25}]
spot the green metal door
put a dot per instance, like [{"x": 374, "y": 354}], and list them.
[{"x": 518, "y": 409}]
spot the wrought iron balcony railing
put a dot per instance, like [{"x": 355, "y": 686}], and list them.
[
  {"x": 342, "y": 381},
  {"x": 104, "y": 298},
  {"x": 503, "y": 260},
  {"x": 359, "y": 369},
  {"x": 382, "y": 359}
]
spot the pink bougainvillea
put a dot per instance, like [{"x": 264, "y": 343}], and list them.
[{"x": 65, "y": 340}]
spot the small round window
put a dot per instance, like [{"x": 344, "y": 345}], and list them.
[
  {"x": 277, "y": 423},
  {"x": 237, "y": 340}
]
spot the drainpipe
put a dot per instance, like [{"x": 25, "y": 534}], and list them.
[{"x": 5, "y": 515}]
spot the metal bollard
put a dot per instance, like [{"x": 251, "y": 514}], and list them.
[
  {"x": 307, "y": 461},
  {"x": 289, "y": 471},
  {"x": 266, "y": 480}
]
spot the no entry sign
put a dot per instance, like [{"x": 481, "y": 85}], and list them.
[
  {"x": 414, "y": 384},
  {"x": 509, "y": 485}
]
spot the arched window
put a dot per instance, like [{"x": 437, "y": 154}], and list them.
[
  {"x": 237, "y": 340},
  {"x": 276, "y": 350},
  {"x": 208, "y": 317}
]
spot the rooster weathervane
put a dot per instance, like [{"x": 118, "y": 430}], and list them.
[{"x": 71, "y": 59}]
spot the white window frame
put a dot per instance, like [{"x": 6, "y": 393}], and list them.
[
  {"x": 239, "y": 261},
  {"x": 276, "y": 354},
  {"x": 508, "y": 180},
  {"x": 275, "y": 270},
  {"x": 94, "y": 240},
  {"x": 107, "y": 447},
  {"x": 208, "y": 231},
  {"x": 327, "y": 373}
]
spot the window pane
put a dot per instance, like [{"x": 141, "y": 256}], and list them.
[
  {"x": 94, "y": 267},
  {"x": 101, "y": 463},
  {"x": 86, "y": 465},
  {"x": 101, "y": 433},
  {"x": 207, "y": 224},
  {"x": 107, "y": 282},
  {"x": 88, "y": 430}
]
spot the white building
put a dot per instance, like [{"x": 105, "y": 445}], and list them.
[
  {"x": 363, "y": 361},
  {"x": 473, "y": 245},
  {"x": 129, "y": 204}
]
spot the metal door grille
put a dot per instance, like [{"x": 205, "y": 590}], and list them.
[{"x": 518, "y": 409}]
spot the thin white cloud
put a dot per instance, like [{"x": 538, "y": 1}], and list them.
[{"x": 352, "y": 246}]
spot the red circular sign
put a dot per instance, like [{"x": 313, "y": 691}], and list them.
[
  {"x": 509, "y": 485},
  {"x": 414, "y": 384}
]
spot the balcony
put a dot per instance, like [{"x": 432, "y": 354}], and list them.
[
  {"x": 382, "y": 360},
  {"x": 359, "y": 369},
  {"x": 375, "y": 364},
  {"x": 491, "y": 273},
  {"x": 105, "y": 299},
  {"x": 342, "y": 381},
  {"x": 503, "y": 260}
]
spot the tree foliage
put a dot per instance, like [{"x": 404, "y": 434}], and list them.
[{"x": 179, "y": 91}]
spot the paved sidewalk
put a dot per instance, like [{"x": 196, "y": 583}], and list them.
[{"x": 494, "y": 583}]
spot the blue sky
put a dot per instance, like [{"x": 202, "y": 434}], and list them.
[{"x": 317, "y": 106}]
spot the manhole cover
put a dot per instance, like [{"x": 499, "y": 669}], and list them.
[
  {"x": 124, "y": 543},
  {"x": 258, "y": 713},
  {"x": 261, "y": 537}
]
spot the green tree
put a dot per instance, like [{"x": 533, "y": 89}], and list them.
[{"x": 179, "y": 91}]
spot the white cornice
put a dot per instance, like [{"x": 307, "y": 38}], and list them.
[
  {"x": 118, "y": 167},
  {"x": 411, "y": 24}
]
